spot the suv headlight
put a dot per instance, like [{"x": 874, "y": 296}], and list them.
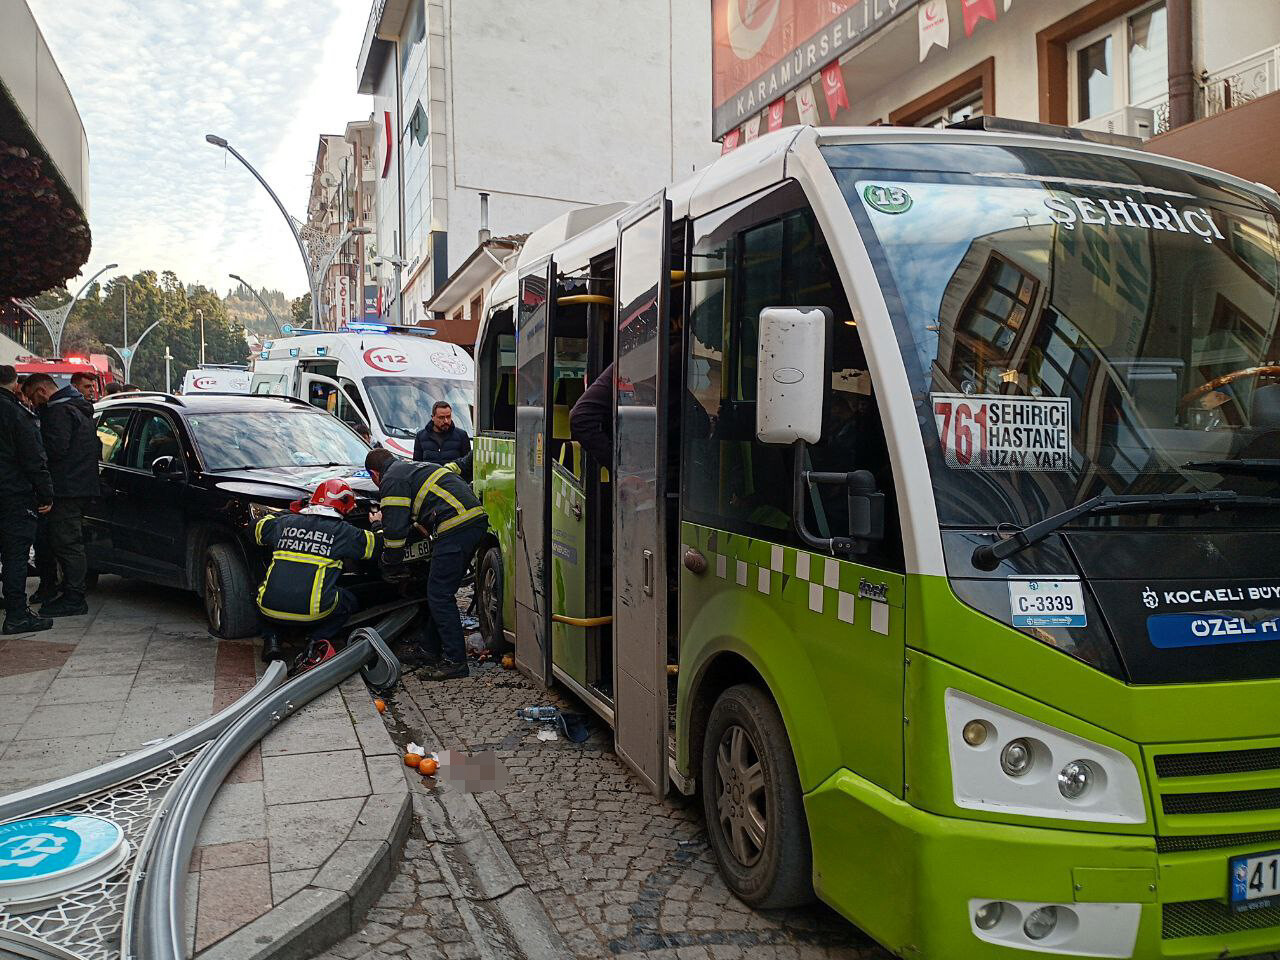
[{"x": 1007, "y": 763}]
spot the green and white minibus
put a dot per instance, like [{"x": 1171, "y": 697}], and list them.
[{"x": 935, "y": 547}]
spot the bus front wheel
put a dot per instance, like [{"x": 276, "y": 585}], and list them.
[{"x": 752, "y": 803}]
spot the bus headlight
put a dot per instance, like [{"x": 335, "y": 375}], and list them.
[{"x": 1023, "y": 766}]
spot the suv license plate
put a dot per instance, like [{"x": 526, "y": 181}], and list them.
[
  {"x": 418, "y": 550},
  {"x": 1253, "y": 880}
]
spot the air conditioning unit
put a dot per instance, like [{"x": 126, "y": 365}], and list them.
[{"x": 1139, "y": 122}]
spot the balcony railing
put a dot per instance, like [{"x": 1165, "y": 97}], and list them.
[{"x": 1243, "y": 81}]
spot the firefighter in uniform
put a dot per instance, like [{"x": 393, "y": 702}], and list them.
[
  {"x": 436, "y": 501},
  {"x": 301, "y": 587}
]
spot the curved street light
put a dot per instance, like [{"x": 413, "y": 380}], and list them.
[
  {"x": 265, "y": 306},
  {"x": 302, "y": 247},
  {"x": 129, "y": 351},
  {"x": 55, "y": 319}
]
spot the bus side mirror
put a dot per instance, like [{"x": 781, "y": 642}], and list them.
[
  {"x": 866, "y": 509},
  {"x": 791, "y": 373}
]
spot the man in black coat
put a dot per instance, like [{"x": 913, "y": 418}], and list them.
[
  {"x": 26, "y": 489},
  {"x": 72, "y": 446},
  {"x": 441, "y": 440}
]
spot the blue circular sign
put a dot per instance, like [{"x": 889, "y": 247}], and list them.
[
  {"x": 38, "y": 852},
  {"x": 287, "y": 328}
]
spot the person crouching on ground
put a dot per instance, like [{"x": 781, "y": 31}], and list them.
[
  {"x": 301, "y": 586},
  {"x": 437, "y": 501}
]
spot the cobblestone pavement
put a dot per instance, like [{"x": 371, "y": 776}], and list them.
[{"x": 619, "y": 873}]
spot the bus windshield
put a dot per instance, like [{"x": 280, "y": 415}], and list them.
[
  {"x": 1075, "y": 325},
  {"x": 403, "y": 404}
]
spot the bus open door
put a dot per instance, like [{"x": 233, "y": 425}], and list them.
[{"x": 640, "y": 596}]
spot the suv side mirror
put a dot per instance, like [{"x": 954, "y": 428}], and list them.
[
  {"x": 167, "y": 468},
  {"x": 791, "y": 373}
]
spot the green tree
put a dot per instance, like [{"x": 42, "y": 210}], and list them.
[{"x": 300, "y": 311}]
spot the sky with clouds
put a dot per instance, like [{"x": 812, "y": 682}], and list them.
[{"x": 152, "y": 77}]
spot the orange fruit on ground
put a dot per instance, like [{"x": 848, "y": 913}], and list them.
[
  {"x": 380, "y": 705},
  {"x": 508, "y": 661},
  {"x": 428, "y": 766},
  {"x": 412, "y": 759}
]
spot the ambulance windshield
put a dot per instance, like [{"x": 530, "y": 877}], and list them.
[
  {"x": 1075, "y": 324},
  {"x": 403, "y": 404}
]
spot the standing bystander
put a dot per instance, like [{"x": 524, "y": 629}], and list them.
[
  {"x": 26, "y": 490},
  {"x": 72, "y": 446}
]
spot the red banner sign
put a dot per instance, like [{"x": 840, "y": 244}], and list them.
[
  {"x": 975, "y": 10},
  {"x": 833, "y": 87}
]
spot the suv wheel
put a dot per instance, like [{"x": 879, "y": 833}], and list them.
[
  {"x": 489, "y": 601},
  {"x": 752, "y": 804},
  {"x": 228, "y": 595}
]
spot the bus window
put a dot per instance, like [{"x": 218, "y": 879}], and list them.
[
  {"x": 772, "y": 256},
  {"x": 496, "y": 375}
]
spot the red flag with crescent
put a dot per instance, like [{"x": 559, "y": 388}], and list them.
[
  {"x": 776, "y": 110},
  {"x": 975, "y": 10},
  {"x": 730, "y": 142},
  {"x": 833, "y": 87}
]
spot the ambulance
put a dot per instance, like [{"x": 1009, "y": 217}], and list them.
[
  {"x": 376, "y": 375},
  {"x": 216, "y": 378}
]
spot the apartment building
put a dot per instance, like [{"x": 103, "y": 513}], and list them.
[
  {"x": 544, "y": 110},
  {"x": 1196, "y": 79}
]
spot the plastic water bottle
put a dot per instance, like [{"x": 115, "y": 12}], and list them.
[{"x": 538, "y": 713}]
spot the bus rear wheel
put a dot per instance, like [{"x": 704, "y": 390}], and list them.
[
  {"x": 752, "y": 803},
  {"x": 489, "y": 601}
]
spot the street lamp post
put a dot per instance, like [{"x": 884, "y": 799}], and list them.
[
  {"x": 314, "y": 277},
  {"x": 130, "y": 350},
  {"x": 55, "y": 319},
  {"x": 265, "y": 306},
  {"x": 168, "y": 380},
  {"x": 200, "y": 317}
]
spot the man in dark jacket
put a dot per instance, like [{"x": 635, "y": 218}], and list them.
[
  {"x": 72, "y": 446},
  {"x": 433, "y": 500},
  {"x": 26, "y": 489},
  {"x": 591, "y": 419},
  {"x": 441, "y": 441}
]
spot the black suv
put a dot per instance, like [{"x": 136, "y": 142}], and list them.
[{"x": 184, "y": 479}]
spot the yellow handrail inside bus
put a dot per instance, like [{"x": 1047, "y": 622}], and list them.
[
  {"x": 577, "y": 298},
  {"x": 582, "y": 621}
]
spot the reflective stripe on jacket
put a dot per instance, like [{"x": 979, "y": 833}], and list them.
[
  {"x": 434, "y": 496},
  {"x": 306, "y": 562}
]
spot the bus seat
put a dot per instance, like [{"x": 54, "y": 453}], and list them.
[{"x": 560, "y": 422}]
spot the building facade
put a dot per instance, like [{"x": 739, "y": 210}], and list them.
[
  {"x": 544, "y": 113},
  {"x": 1193, "y": 78}
]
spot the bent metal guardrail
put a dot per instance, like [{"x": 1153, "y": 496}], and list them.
[{"x": 154, "y": 915}]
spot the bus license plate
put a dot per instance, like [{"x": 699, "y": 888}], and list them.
[
  {"x": 419, "y": 550},
  {"x": 1039, "y": 602},
  {"x": 1253, "y": 880}
]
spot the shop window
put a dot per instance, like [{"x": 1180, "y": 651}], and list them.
[
  {"x": 1124, "y": 62},
  {"x": 762, "y": 254}
]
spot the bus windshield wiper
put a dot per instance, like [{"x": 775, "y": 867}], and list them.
[
  {"x": 988, "y": 556},
  {"x": 1235, "y": 465}
]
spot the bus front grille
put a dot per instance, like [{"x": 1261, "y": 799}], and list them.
[
  {"x": 1217, "y": 763},
  {"x": 1215, "y": 841},
  {"x": 1228, "y": 801},
  {"x": 1209, "y": 918}
]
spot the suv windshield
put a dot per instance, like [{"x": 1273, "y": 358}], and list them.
[
  {"x": 1074, "y": 324},
  {"x": 403, "y": 404},
  {"x": 281, "y": 438}
]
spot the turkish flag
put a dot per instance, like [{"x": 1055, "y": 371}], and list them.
[
  {"x": 730, "y": 142},
  {"x": 776, "y": 110},
  {"x": 833, "y": 87},
  {"x": 975, "y": 10}
]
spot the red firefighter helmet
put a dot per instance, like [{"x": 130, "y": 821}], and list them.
[{"x": 335, "y": 493}]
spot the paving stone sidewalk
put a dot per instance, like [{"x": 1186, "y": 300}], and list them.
[
  {"x": 302, "y": 835},
  {"x": 619, "y": 873}
]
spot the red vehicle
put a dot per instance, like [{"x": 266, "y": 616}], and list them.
[{"x": 62, "y": 369}]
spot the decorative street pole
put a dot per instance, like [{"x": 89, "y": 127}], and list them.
[
  {"x": 168, "y": 381},
  {"x": 318, "y": 249},
  {"x": 55, "y": 318},
  {"x": 127, "y": 353},
  {"x": 200, "y": 317},
  {"x": 265, "y": 306}
]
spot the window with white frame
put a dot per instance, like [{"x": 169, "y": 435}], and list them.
[
  {"x": 1123, "y": 63},
  {"x": 970, "y": 105}
]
